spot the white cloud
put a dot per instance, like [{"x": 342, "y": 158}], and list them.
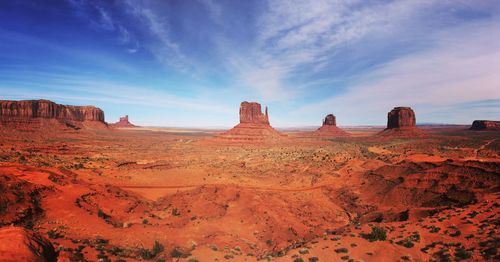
[
  {"x": 462, "y": 67},
  {"x": 292, "y": 34}
]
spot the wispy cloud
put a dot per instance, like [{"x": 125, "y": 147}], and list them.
[
  {"x": 88, "y": 88},
  {"x": 294, "y": 34},
  {"x": 456, "y": 71}
]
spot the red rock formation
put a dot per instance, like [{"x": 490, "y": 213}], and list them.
[
  {"x": 401, "y": 117},
  {"x": 329, "y": 128},
  {"x": 49, "y": 109},
  {"x": 36, "y": 114},
  {"x": 485, "y": 125},
  {"x": 401, "y": 122},
  {"x": 20, "y": 244},
  {"x": 250, "y": 112},
  {"x": 253, "y": 127},
  {"x": 330, "y": 120},
  {"x": 123, "y": 123}
]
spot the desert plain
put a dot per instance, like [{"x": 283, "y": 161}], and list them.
[{"x": 130, "y": 194}]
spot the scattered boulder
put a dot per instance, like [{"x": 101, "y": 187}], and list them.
[
  {"x": 329, "y": 128},
  {"x": 20, "y": 244},
  {"x": 401, "y": 122},
  {"x": 123, "y": 123},
  {"x": 479, "y": 125},
  {"x": 254, "y": 126}
]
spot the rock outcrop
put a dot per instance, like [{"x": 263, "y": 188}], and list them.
[
  {"x": 253, "y": 127},
  {"x": 401, "y": 117},
  {"x": 401, "y": 122},
  {"x": 329, "y": 128},
  {"x": 20, "y": 244},
  {"x": 485, "y": 125},
  {"x": 49, "y": 109},
  {"x": 123, "y": 123},
  {"x": 32, "y": 113},
  {"x": 251, "y": 113}
]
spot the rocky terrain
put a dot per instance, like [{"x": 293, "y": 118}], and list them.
[{"x": 163, "y": 195}]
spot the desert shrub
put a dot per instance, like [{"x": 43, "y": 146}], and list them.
[
  {"x": 146, "y": 253},
  {"x": 344, "y": 257},
  {"x": 406, "y": 243},
  {"x": 462, "y": 254},
  {"x": 150, "y": 254},
  {"x": 298, "y": 260},
  {"x": 193, "y": 260},
  {"x": 157, "y": 248},
  {"x": 269, "y": 242},
  {"x": 228, "y": 256},
  {"x": 341, "y": 250},
  {"x": 377, "y": 234},
  {"x": 313, "y": 259},
  {"x": 435, "y": 229},
  {"x": 54, "y": 234},
  {"x": 405, "y": 258},
  {"x": 175, "y": 212},
  {"x": 101, "y": 214},
  {"x": 442, "y": 256},
  {"x": 178, "y": 253},
  {"x": 456, "y": 233}
]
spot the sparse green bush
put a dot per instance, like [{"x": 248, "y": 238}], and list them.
[
  {"x": 157, "y": 248},
  {"x": 341, "y": 250},
  {"x": 377, "y": 234}
]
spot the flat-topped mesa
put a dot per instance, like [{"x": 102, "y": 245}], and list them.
[
  {"x": 251, "y": 113},
  {"x": 401, "y": 117},
  {"x": 329, "y": 128},
  {"x": 401, "y": 122},
  {"x": 123, "y": 123},
  {"x": 485, "y": 125},
  {"x": 29, "y": 109}
]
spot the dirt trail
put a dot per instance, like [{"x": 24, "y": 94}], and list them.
[
  {"x": 476, "y": 151},
  {"x": 279, "y": 189}
]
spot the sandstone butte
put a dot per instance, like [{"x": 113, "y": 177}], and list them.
[
  {"x": 485, "y": 125},
  {"x": 37, "y": 113},
  {"x": 329, "y": 128},
  {"x": 401, "y": 122},
  {"x": 123, "y": 123},
  {"x": 253, "y": 127}
]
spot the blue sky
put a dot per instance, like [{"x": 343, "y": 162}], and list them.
[{"x": 191, "y": 63}]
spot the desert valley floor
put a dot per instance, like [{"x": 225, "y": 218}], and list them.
[{"x": 160, "y": 194}]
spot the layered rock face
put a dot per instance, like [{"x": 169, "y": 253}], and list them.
[
  {"x": 123, "y": 123},
  {"x": 485, "y": 125},
  {"x": 253, "y": 127},
  {"x": 329, "y": 128},
  {"x": 250, "y": 112},
  {"x": 19, "y": 244},
  {"x": 401, "y": 117},
  {"x": 47, "y": 115},
  {"x": 49, "y": 109},
  {"x": 401, "y": 122}
]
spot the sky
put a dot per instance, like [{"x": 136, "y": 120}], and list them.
[{"x": 190, "y": 63}]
